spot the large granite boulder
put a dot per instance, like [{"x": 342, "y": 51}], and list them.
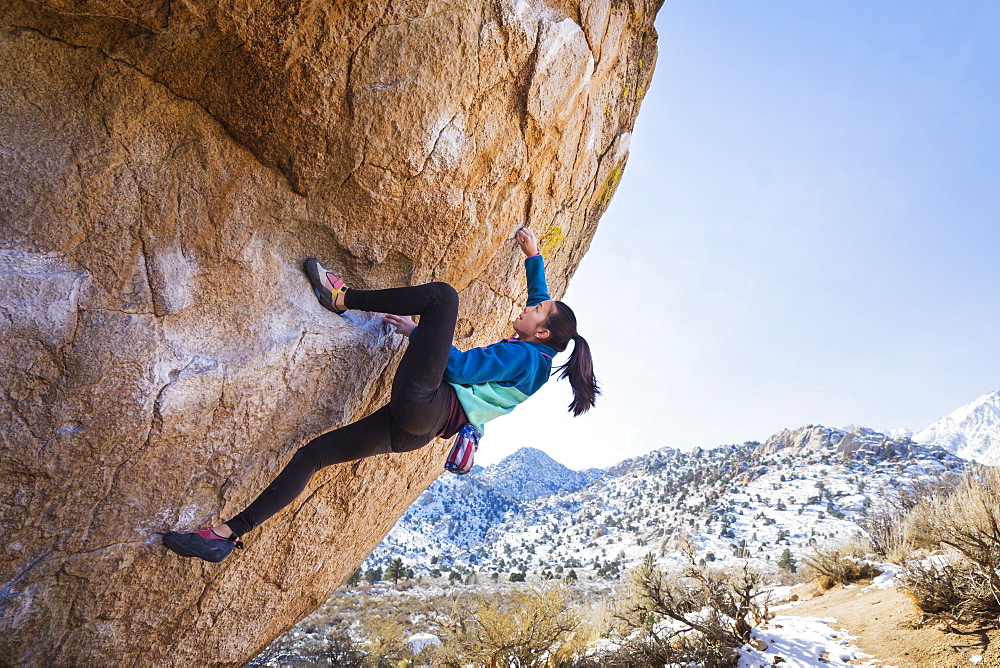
[{"x": 165, "y": 167}]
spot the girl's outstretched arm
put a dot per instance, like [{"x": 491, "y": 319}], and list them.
[{"x": 534, "y": 267}]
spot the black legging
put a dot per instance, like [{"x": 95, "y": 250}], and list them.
[{"x": 417, "y": 410}]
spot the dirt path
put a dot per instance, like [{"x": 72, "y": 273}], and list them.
[{"x": 881, "y": 619}]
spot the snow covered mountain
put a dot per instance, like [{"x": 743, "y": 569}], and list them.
[
  {"x": 971, "y": 432},
  {"x": 456, "y": 513},
  {"x": 530, "y": 473},
  {"x": 753, "y": 500}
]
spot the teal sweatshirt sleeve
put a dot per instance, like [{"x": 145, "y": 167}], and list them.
[
  {"x": 534, "y": 268},
  {"x": 495, "y": 364}
]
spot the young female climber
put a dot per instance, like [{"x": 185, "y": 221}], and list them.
[{"x": 437, "y": 389}]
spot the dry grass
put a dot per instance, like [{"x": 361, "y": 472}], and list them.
[
  {"x": 548, "y": 624},
  {"x": 884, "y": 521},
  {"x": 545, "y": 625},
  {"x": 841, "y": 563}
]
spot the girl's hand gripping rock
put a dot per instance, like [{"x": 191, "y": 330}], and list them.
[
  {"x": 403, "y": 324},
  {"x": 527, "y": 241}
]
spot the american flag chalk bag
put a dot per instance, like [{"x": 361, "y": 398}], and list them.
[{"x": 463, "y": 453}]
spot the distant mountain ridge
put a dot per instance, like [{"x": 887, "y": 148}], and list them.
[
  {"x": 457, "y": 513},
  {"x": 753, "y": 501},
  {"x": 971, "y": 432}
]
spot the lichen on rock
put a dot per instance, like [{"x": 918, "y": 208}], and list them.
[{"x": 166, "y": 167}]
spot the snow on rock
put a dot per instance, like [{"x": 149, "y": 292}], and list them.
[
  {"x": 887, "y": 578},
  {"x": 530, "y": 473}
]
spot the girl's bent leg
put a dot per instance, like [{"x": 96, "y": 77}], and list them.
[
  {"x": 412, "y": 300},
  {"x": 416, "y": 404},
  {"x": 364, "y": 438}
]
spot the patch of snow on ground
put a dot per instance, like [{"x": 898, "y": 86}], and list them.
[
  {"x": 419, "y": 642},
  {"x": 802, "y": 642},
  {"x": 887, "y": 578}
]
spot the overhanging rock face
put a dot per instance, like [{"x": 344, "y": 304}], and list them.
[{"x": 166, "y": 166}]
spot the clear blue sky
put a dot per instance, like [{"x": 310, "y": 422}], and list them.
[{"x": 807, "y": 231}]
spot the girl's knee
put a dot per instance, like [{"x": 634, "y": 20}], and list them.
[
  {"x": 444, "y": 294},
  {"x": 308, "y": 456}
]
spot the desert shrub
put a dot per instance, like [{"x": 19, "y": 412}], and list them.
[
  {"x": 697, "y": 615},
  {"x": 524, "y": 628},
  {"x": 689, "y": 649},
  {"x": 965, "y": 521},
  {"x": 598, "y": 616},
  {"x": 340, "y": 650},
  {"x": 457, "y": 630},
  {"x": 883, "y": 521},
  {"x": 385, "y": 645},
  {"x": 783, "y": 578},
  {"x": 951, "y": 590},
  {"x": 840, "y": 563}
]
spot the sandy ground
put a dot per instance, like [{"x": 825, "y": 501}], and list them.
[{"x": 882, "y": 620}]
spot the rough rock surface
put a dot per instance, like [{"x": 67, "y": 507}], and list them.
[{"x": 166, "y": 166}]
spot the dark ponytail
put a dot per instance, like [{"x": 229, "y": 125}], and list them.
[{"x": 580, "y": 366}]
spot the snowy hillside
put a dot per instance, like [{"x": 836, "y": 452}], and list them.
[
  {"x": 751, "y": 501},
  {"x": 454, "y": 516},
  {"x": 971, "y": 432}
]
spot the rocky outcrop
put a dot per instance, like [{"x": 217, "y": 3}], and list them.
[
  {"x": 811, "y": 440},
  {"x": 166, "y": 166},
  {"x": 821, "y": 443}
]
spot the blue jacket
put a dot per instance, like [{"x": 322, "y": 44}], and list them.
[{"x": 491, "y": 381}]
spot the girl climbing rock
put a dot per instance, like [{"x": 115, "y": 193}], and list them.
[{"x": 438, "y": 390}]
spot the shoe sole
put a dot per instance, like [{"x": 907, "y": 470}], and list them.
[
  {"x": 169, "y": 543},
  {"x": 180, "y": 550}
]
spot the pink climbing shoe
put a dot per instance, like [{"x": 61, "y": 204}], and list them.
[
  {"x": 325, "y": 285},
  {"x": 203, "y": 544}
]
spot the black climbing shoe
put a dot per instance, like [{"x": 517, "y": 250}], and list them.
[{"x": 203, "y": 544}]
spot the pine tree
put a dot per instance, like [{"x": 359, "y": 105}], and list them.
[
  {"x": 787, "y": 561},
  {"x": 395, "y": 570}
]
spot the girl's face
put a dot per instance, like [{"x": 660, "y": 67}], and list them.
[{"x": 530, "y": 325}]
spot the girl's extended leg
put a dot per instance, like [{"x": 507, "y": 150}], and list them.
[{"x": 364, "y": 438}]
